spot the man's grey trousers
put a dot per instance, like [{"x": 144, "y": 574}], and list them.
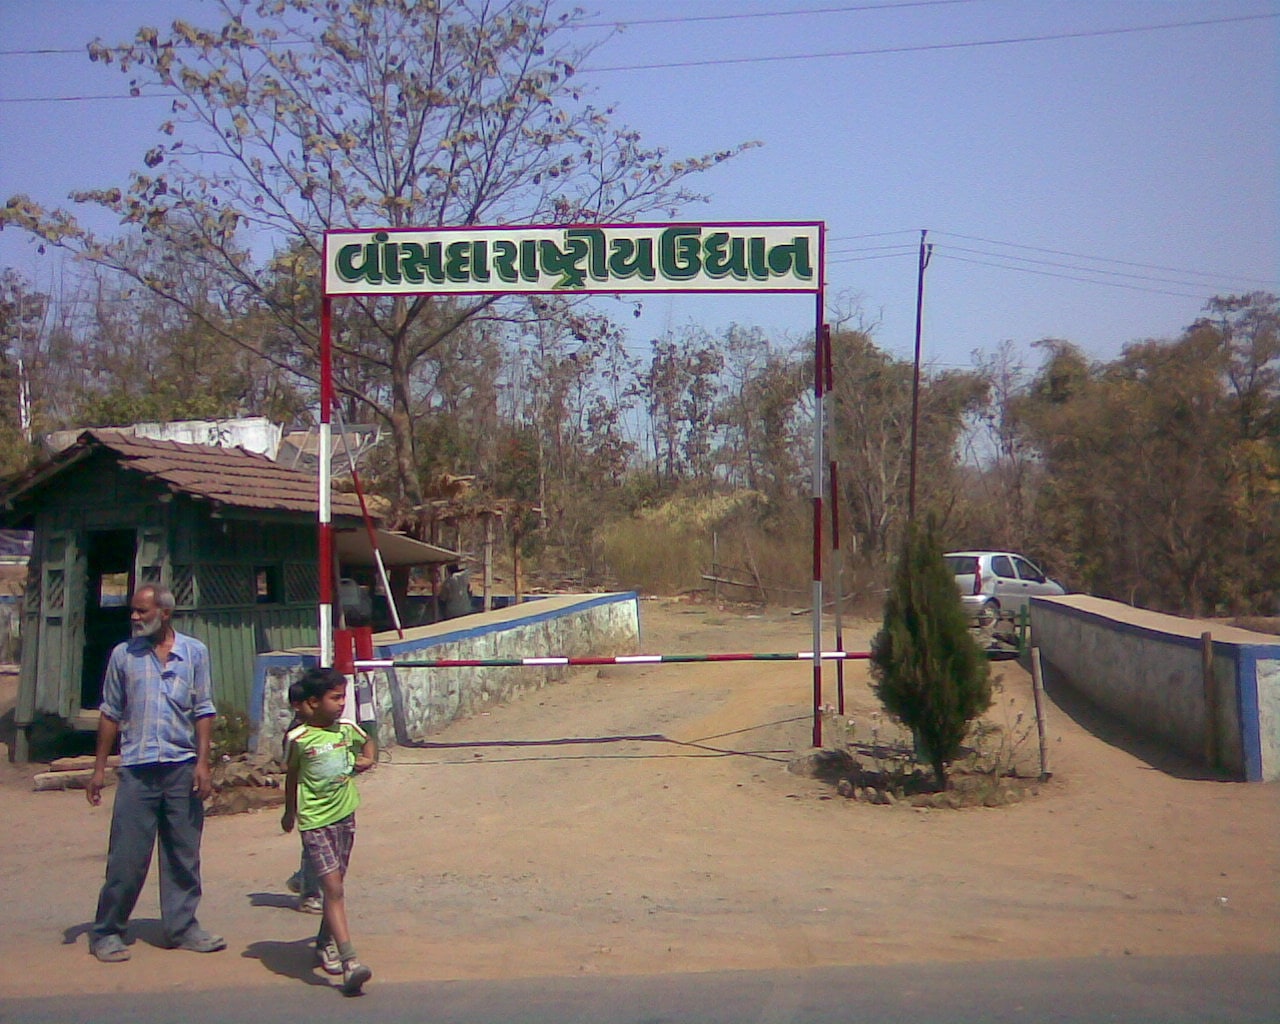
[{"x": 153, "y": 802}]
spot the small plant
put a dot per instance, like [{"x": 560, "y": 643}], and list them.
[
  {"x": 230, "y": 734},
  {"x": 996, "y": 746},
  {"x": 927, "y": 670}
]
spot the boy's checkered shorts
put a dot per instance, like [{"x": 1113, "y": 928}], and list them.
[{"x": 329, "y": 847}]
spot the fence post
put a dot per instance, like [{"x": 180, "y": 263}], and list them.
[
  {"x": 1210, "y": 701},
  {"x": 1037, "y": 688}
]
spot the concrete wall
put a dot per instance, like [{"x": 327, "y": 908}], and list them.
[
  {"x": 1146, "y": 669},
  {"x": 411, "y": 703}
]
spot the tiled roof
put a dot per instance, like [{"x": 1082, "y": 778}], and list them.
[{"x": 224, "y": 476}]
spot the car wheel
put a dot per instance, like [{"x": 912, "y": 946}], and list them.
[{"x": 988, "y": 615}]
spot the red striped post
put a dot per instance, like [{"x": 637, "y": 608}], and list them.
[
  {"x": 818, "y": 429},
  {"x": 833, "y": 478},
  {"x": 325, "y": 516}
]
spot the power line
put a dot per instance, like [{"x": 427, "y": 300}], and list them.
[
  {"x": 873, "y": 234},
  {"x": 54, "y": 51},
  {"x": 87, "y": 98},
  {"x": 867, "y": 248},
  {"x": 724, "y": 61},
  {"x": 864, "y": 259},
  {"x": 83, "y": 51},
  {"x": 973, "y": 44},
  {"x": 743, "y": 16},
  {"x": 1068, "y": 277},
  {"x": 1081, "y": 269},
  {"x": 850, "y": 254},
  {"x": 1107, "y": 259}
]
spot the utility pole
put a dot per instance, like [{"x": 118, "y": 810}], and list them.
[
  {"x": 24, "y": 399},
  {"x": 926, "y": 251}
]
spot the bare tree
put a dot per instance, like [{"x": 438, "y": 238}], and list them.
[{"x": 290, "y": 118}]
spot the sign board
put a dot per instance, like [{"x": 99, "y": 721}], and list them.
[{"x": 608, "y": 258}]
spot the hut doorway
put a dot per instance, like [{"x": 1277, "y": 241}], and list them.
[{"x": 110, "y": 559}]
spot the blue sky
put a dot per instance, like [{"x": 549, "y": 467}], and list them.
[{"x": 1146, "y": 163}]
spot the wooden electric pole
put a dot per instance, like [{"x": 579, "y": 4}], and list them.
[{"x": 925, "y": 252}]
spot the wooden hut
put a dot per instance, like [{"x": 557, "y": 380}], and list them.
[{"x": 231, "y": 533}]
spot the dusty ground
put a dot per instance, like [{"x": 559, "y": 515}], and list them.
[{"x": 642, "y": 820}]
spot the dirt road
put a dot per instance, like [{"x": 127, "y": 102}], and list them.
[{"x": 642, "y": 820}]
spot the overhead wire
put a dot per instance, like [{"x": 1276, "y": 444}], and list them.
[
  {"x": 927, "y": 47},
  {"x": 874, "y": 51},
  {"x": 1015, "y": 261},
  {"x": 749, "y": 15},
  {"x": 64, "y": 51},
  {"x": 942, "y": 253},
  {"x": 1105, "y": 259}
]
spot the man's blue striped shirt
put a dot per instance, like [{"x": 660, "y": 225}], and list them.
[{"x": 157, "y": 705}]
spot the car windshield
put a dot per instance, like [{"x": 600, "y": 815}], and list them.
[{"x": 961, "y": 565}]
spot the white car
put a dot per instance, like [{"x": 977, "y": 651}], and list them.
[{"x": 995, "y": 584}]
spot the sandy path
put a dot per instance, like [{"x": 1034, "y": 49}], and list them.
[{"x": 641, "y": 820}]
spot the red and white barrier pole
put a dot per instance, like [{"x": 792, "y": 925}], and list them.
[
  {"x": 819, "y": 376},
  {"x": 324, "y": 496},
  {"x": 621, "y": 659},
  {"x": 833, "y": 479}
]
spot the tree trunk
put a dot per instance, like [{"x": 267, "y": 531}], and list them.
[{"x": 402, "y": 421}]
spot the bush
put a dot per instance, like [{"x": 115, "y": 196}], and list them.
[
  {"x": 667, "y": 548},
  {"x": 230, "y": 734},
  {"x": 927, "y": 670}
]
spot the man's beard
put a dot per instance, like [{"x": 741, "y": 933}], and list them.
[{"x": 147, "y": 629}]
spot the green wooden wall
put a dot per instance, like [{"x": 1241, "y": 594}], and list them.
[{"x": 244, "y": 582}]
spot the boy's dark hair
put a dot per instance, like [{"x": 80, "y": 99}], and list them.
[
  {"x": 319, "y": 681},
  {"x": 296, "y": 696}
]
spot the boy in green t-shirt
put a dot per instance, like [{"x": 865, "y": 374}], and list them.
[{"x": 321, "y": 798}]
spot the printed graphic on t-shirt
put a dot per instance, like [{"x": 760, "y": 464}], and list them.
[{"x": 330, "y": 764}]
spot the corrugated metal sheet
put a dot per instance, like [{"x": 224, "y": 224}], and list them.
[{"x": 235, "y": 636}]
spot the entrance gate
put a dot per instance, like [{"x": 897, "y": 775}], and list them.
[{"x": 608, "y": 259}]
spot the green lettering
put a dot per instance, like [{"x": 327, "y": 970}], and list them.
[
  {"x": 504, "y": 260},
  {"x": 390, "y": 259},
  {"x": 366, "y": 270},
  {"x": 457, "y": 262},
  {"x": 678, "y": 249},
  {"x": 418, "y": 265},
  {"x": 791, "y": 258},
  {"x": 564, "y": 261},
  {"x": 632, "y": 257},
  {"x": 529, "y": 260},
  {"x": 593, "y": 238},
  {"x": 725, "y": 256},
  {"x": 480, "y": 260},
  {"x": 757, "y": 263}
]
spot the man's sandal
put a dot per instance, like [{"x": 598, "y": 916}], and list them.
[{"x": 110, "y": 949}]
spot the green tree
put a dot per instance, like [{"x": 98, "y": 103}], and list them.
[
  {"x": 927, "y": 670},
  {"x": 294, "y": 117},
  {"x": 1161, "y": 469}
]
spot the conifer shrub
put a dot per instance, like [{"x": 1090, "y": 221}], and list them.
[{"x": 927, "y": 670}]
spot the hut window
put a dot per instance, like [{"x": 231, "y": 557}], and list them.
[
  {"x": 184, "y": 589},
  {"x": 302, "y": 582},
  {"x": 269, "y": 584},
  {"x": 225, "y": 585},
  {"x": 113, "y": 590}
]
